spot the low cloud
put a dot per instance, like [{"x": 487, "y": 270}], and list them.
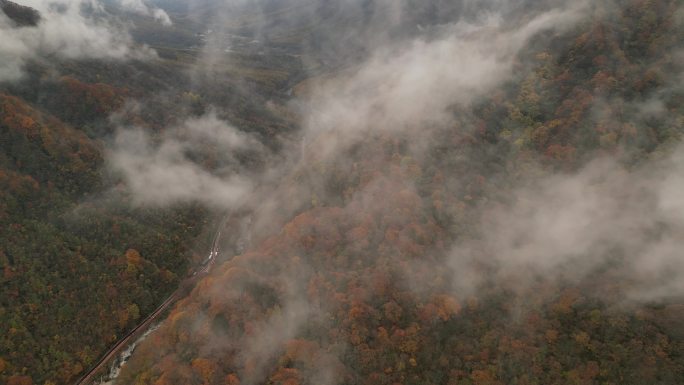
[
  {"x": 68, "y": 29},
  {"x": 563, "y": 227},
  {"x": 566, "y": 227},
  {"x": 416, "y": 84},
  {"x": 165, "y": 170},
  {"x": 139, "y": 7}
]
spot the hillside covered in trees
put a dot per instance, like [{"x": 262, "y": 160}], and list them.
[
  {"x": 528, "y": 234},
  {"x": 80, "y": 263},
  {"x": 438, "y": 193}
]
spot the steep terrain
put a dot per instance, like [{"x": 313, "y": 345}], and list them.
[
  {"x": 401, "y": 262},
  {"x": 80, "y": 265},
  {"x": 77, "y": 271},
  {"x": 22, "y": 16},
  {"x": 439, "y": 192}
]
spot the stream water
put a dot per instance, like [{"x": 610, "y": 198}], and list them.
[{"x": 115, "y": 368}]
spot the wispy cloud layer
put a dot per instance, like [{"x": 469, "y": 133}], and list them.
[
  {"x": 141, "y": 8},
  {"x": 401, "y": 88},
  {"x": 69, "y": 29},
  {"x": 604, "y": 218},
  {"x": 566, "y": 227},
  {"x": 161, "y": 171}
]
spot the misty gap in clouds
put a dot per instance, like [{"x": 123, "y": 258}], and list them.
[{"x": 71, "y": 29}]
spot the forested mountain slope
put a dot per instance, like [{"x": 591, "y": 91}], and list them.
[
  {"x": 80, "y": 265},
  {"x": 519, "y": 240},
  {"x": 78, "y": 270}
]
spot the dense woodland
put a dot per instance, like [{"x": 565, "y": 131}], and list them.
[
  {"x": 80, "y": 266},
  {"x": 358, "y": 258}
]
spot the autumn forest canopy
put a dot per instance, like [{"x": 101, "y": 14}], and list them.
[{"x": 400, "y": 192}]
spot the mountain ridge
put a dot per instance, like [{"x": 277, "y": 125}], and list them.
[{"x": 21, "y": 15}]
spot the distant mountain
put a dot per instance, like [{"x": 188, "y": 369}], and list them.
[{"x": 23, "y": 16}]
